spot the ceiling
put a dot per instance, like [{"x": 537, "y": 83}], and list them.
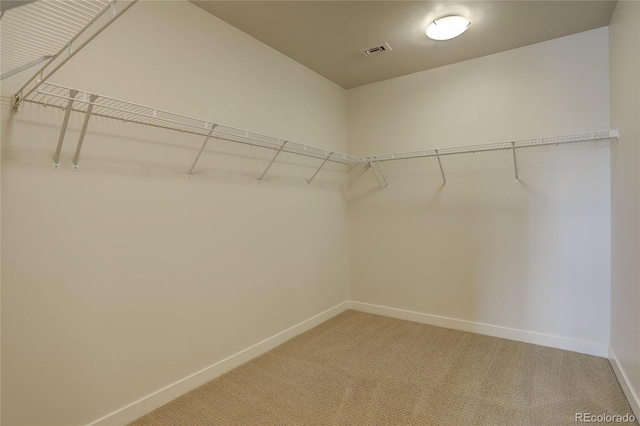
[{"x": 327, "y": 36}]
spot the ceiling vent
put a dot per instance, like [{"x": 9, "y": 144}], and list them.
[{"x": 376, "y": 50}]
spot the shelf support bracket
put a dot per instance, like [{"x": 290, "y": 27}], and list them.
[
  {"x": 382, "y": 174},
  {"x": 65, "y": 121},
  {"x": 321, "y": 165},
  {"x": 444, "y": 179},
  {"x": 370, "y": 165},
  {"x": 272, "y": 160},
  {"x": 515, "y": 162},
  {"x": 24, "y": 67},
  {"x": 380, "y": 178},
  {"x": 92, "y": 99},
  {"x": 204, "y": 144}
]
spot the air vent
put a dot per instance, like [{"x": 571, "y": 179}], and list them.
[{"x": 376, "y": 50}]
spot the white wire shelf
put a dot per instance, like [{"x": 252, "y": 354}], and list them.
[
  {"x": 70, "y": 99},
  {"x": 55, "y": 95},
  {"x": 500, "y": 146},
  {"x": 374, "y": 161},
  {"x": 51, "y": 32}
]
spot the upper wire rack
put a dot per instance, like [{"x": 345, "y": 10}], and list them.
[
  {"x": 34, "y": 32},
  {"x": 50, "y": 94}
]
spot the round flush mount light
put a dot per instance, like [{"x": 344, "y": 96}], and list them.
[{"x": 447, "y": 28}]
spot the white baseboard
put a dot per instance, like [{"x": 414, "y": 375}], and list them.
[
  {"x": 632, "y": 396},
  {"x": 162, "y": 396},
  {"x": 486, "y": 329}
]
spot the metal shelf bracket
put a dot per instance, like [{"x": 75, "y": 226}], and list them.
[
  {"x": 321, "y": 165},
  {"x": 515, "y": 162},
  {"x": 63, "y": 129},
  {"x": 278, "y": 151},
  {"x": 204, "y": 144},
  {"x": 386, "y": 185},
  {"x": 92, "y": 99},
  {"x": 382, "y": 181},
  {"x": 444, "y": 179}
]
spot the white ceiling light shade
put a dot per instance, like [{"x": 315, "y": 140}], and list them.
[{"x": 447, "y": 28}]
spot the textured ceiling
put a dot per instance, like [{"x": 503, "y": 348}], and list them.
[{"x": 326, "y": 36}]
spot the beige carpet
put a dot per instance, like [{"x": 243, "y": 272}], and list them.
[{"x": 362, "y": 369}]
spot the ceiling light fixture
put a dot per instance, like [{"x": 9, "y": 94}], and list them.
[{"x": 447, "y": 28}]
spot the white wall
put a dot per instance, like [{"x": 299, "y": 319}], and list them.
[
  {"x": 625, "y": 196},
  {"x": 95, "y": 317},
  {"x": 532, "y": 256},
  {"x": 124, "y": 277}
]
